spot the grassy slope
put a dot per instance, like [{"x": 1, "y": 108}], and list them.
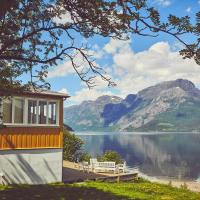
[
  {"x": 142, "y": 190},
  {"x": 146, "y": 191}
]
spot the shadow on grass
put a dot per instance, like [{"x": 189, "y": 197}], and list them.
[
  {"x": 75, "y": 175},
  {"x": 55, "y": 192}
]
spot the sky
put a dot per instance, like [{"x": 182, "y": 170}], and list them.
[{"x": 133, "y": 64}]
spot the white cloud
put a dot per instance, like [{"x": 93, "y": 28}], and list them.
[
  {"x": 163, "y": 3},
  {"x": 85, "y": 94},
  {"x": 189, "y": 9},
  {"x": 133, "y": 72},
  {"x": 61, "y": 70},
  {"x": 136, "y": 71},
  {"x": 199, "y": 2},
  {"x": 64, "y": 91},
  {"x": 114, "y": 45}
]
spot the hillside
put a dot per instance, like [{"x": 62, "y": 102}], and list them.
[{"x": 168, "y": 106}]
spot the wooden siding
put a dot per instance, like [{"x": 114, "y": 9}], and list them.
[{"x": 30, "y": 138}]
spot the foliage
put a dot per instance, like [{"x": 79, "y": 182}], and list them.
[
  {"x": 110, "y": 156},
  {"x": 34, "y": 40},
  {"x": 85, "y": 157},
  {"x": 72, "y": 149}
]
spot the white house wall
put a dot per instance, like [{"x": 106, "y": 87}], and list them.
[{"x": 37, "y": 166}]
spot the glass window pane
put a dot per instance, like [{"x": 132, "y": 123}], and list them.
[
  {"x": 7, "y": 111},
  {"x": 42, "y": 109},
  {"x": 18, "y": 111},
  {"x": 32, "y": 111},
  {"x": 52, "y": 113}
]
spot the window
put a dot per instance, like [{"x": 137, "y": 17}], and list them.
[
  {"x": 25, "y": 111},
  {"x": 42, "y": 109},
  {"x": 52, "y": 113},
  {"x": 7, "y": 110},
  {"x": 18, "y": 111},
  {"x": 32, "y": 111}
]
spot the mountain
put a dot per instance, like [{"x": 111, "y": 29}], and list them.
[
  {"x": 168, "y": 106},
  {"x": 87, "y": 115}
]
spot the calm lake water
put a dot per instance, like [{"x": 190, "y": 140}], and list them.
[{"x": 166, "y": 155}]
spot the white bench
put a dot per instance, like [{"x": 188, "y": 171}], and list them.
[
  {"x": 121, "y": 167},
  {"x": 104, "y": 167}
]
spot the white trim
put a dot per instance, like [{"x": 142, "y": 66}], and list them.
[
  {"x": 25, "y": 121},
  {"x": 37, "y": 110},
  {"x": 13, "y": 107},
  {"x": 25, "y": 112},
  {"x": 58, "y": 111},
  {"x": 47, "y": 118},
  {"x": 30, "y": 125}
]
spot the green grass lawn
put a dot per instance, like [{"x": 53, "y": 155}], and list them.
[{"x": 141, "y": 190}]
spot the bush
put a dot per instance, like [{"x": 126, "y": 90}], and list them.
[
  {"x": 110, "y": 156},
  {"x": 85, "y": 157},
  {"x": 72, "y": 148}
]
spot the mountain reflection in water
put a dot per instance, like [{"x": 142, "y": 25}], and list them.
[{"x": 171, "y": 155}]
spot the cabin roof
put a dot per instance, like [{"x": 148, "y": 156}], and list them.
[
  {"x": 51, "y": 93},
  {"x": 35, "y": 92}
]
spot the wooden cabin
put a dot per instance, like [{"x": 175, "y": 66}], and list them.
[{"x": 31, "y": 137}]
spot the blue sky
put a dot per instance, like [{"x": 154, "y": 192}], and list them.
[{"x": 133, "y": 64}]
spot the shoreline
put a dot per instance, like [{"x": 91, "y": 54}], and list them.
[{"x": 72, "y": 173}]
